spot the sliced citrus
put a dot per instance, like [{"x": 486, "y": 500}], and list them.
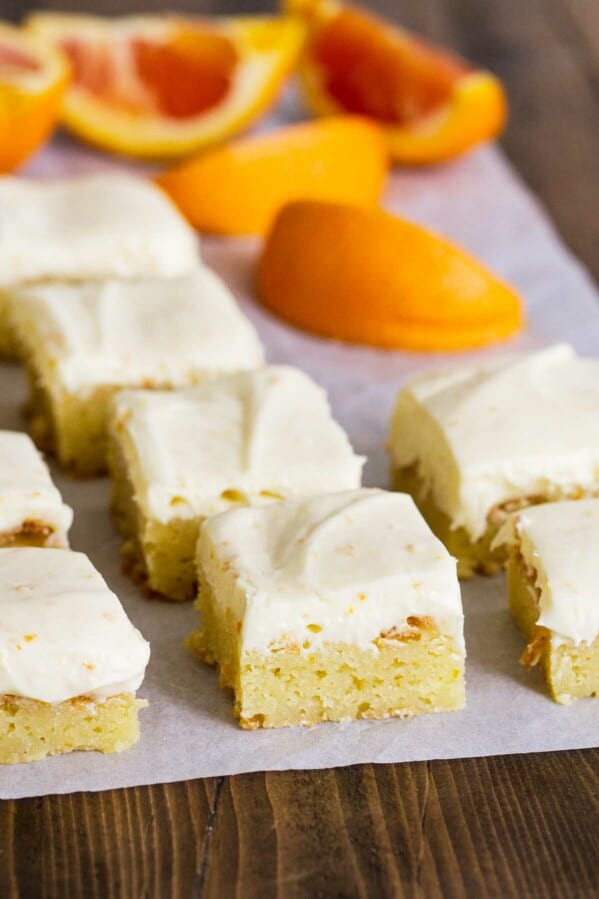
[
  {"x": 365, "y": 276},
  {"x": 433, "y": 105},
  {"x": 163, "y": 86},
  {"x": 33, "y": 78},
  {"x": 239, "y": 188}
]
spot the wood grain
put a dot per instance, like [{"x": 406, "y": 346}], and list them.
[
  {"x": 521, "y": 826},
  {"x": 515, "y": 827}
]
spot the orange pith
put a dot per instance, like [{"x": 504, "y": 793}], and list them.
[
  {"x": 33, "y": 79},
  {"x": 238, "y": 189},
  {"x": 433, "y": 105},
  {"x": 164, "y": 86},
  {"x": 380, "y": 280}
]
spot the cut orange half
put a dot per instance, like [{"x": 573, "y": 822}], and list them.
[
  {"x": 365, "y": 276},
  {"x": 432, "y": 104},
  {"x": 239, "y": 188},
  {"x": 33, "y": 79},
  {"x": 163, "y": 86}
]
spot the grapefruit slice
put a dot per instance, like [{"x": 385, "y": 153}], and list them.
[
  {"x": 381, "y": 280},
  {"x": 163, "y": 86},
  {"x": 33, "y": 78},
  {"x": 433, "y": 105},
  {"x": 239, "y": 188}
]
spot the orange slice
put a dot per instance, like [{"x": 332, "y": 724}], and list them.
[
  {"x": 239, "y": 188},
  {"x": 162, "y": 86},
  {"x": 433, "y": 105},
  {"x": 33, "y": 78},
  {"x": 365, "y": 276}
]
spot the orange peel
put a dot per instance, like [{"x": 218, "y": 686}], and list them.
[
  {"x": 433, "y": 105},
  {"x": 33, "y": 78},
  {"x": 365, "y": 276},
  {"x": 239, "y": 188},
  {"x": 161, "y": 87}
]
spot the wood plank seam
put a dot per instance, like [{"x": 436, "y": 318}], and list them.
[
  {"x": 422, "y": 825},
  {"x": 198, "y": 887}
]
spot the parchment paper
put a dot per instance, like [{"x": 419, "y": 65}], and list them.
[{"x": 188, "y": 730}]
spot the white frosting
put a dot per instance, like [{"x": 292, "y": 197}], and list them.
[
  {"x": 63, "y": 633},
  {"x": 258, "y": 433},
  {"x": 342, "y": 567},
  {"x": 512, "y": 427},
  {"x": 91, "y": 226},
  {"x": 167, "y": 332},
  {"x": 26, "y": 489},
  {"x": 560, "y": 541}
]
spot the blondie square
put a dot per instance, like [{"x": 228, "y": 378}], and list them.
[
  {"x": 553, "y": 578},
  {"x": 474, "y": 443},
  {"x": 330, "y": 608},
  {"x": 71, "y": 659},
  {"x": 176, "y": 458},
  {"x": 82, "y": 343}
]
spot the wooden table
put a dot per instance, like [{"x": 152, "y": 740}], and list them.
[{"x": 513, "y": 826}]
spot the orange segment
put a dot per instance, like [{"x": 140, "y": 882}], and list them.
[
  {"x": 433, "y": 105},
  {"x": 33, "y": 79},
  {"x": 365, "y": 276},
  {"x": 238, "y": 189},
  {"x": 164, "y": 86}
]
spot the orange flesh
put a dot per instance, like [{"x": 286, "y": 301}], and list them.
[
  {"x": 179, "y": 78},
  {"x": 372, "y": 69},
  {"x": 14, "y": 62}
]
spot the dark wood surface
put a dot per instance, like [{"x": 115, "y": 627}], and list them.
[{"x": 514, "y": 826}]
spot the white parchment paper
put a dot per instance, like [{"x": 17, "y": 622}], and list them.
[{"x": 188, "y": 730}]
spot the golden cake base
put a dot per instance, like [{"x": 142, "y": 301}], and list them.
[
  {"x": 161, "y": 557},
  {"x": 571, "y": 671},
  {"x": 31, "y": 730},
  {"x": 410, "y": 673}
]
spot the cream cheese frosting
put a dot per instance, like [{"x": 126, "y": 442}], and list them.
[
  {"x": 341, "y": 567},
  {"x": 164, "y": 332},
  {"x": 251, "y": 437},
  {"x": 27, "y": 493},
  {"x": 90, "y": 226},
  {"x": 519, "y": 426},
  {"x": 559, "y": 541},
  {"x": 63, "y": 633}
]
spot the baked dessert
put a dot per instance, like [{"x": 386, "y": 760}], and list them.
[
  {"x": 553, "y": 577},
  {"x": 70, "y": 659},
  {"x": 32, "y": 512},
  {"x": 81, "y": 343},
  {"x": 175, "y": 458},
  {"x": 92, "y": 226},
  {"x": 475, "y": 443},
  {"x": 330, "y": 608}
]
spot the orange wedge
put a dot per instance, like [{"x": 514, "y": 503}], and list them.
[
  {"x": 33, "y": 78},
  {"x": 365, "y": 276},
  {"x": 163, "y": 86},
  {"x": 433, "y": 105},
  {"x": 239, "y": 188}
]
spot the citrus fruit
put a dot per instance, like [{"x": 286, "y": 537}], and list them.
[
  {"x": 365, "y": 276},
  {"x": 163, "y": 86},
  {"x": 237, "y": 189},
  {"x": 33, "y": 78},
  {"x": 433, "y": 105}
]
